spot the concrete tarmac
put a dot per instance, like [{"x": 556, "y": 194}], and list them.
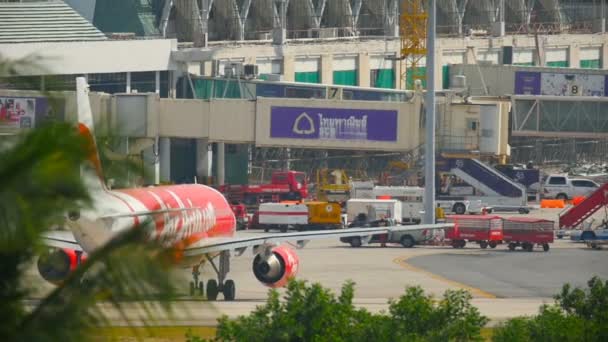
[{"x": 502, "y": 284}]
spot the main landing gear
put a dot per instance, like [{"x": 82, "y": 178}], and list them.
[{"x": 214, "y": 287}]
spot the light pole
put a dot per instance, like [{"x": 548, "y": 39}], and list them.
[{"x": 429, "y": 147}]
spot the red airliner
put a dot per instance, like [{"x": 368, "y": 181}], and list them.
[{"x": 197, "y": 217}]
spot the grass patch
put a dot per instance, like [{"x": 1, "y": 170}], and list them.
[
  {"x": 487, "y": 333},
  {"x": 150, "y": 334}
]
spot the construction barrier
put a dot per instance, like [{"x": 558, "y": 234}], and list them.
[
  {"x": 577, "y": 200},
  {"x": 552, "y": 203}
]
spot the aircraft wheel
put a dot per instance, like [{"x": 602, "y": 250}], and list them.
[
  {"x": 229, "y": 290},
  {"x": 212, "y": 289}
]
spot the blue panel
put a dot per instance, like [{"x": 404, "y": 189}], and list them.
[{"x": 269, "y": 90}]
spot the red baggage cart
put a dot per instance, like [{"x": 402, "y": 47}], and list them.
[
  {"x": 486, "y": 230},
  {"x": 525, "y": 232}
]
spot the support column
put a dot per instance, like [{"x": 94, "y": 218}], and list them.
[
  {"x": 156, "y": 150},
  {"x": 327, "y": 75},
  {"x": 165, "y": 159},
  {"x": 287, "y": 158},
  {"x": 498, "y": 27},
  {"x": 574, "y": 57},
  {"x": 470, "y": 56},
  {"x": 204, "y": 160},
  {"x": 242, "y": 17},
  {"x": 429, "y": 146},
  {"x": 604, "y": 56},
  {"x": 289, "y": 68},
  {"x": 128, "y": 88},
  {"x": 172, "y": 84},
  {"x": 363, "y": 70},
  {"x": 279, "y": 31},
  {"x": 391, "y": 24},
  {"x": 157, "y": 82},
  {"x": 221, "y": 159}
]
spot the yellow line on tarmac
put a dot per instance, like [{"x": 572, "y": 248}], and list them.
[{"x": 402, "y": 261}]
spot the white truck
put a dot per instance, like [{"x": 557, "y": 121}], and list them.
[
  {"x": 374, "y": 209},
  {"x": 412, "y": 200},
  {"x": 564, "y": 187}
]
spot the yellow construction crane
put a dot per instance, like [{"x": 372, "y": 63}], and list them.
[{"x": 412, "y": 30}]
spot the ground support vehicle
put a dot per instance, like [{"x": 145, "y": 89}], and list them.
[
  {"x": 408, "y": 237},
  {"x": 470, "y": 179},
  {"x": 240, "y": 214},
  {"x": 412, "y": 198},
  {"x": 373, "y": 209},
  {"x": 486, "y": 230},
  {"x": 564, "y": 187},
  {"x": 284, "y": 185},
  {"x": 527, "y": 232},
  {"x": 574, "y": 216},
  {"x": 332, "y": 185},
  {"x": 299, "y": 216}
]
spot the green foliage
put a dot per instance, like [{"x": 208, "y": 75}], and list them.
[
  {"x": 39, "y": 183},
  {"x": 577, "y": 315},
  {"x": 313, "y": 313}
]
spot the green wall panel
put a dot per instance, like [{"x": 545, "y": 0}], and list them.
[
  {"x": 524, "y": 64},
  {"x": 445, "y": 76},
  {"x": 308, "y": 77},
  {"x": 346, "y": 77},
  {"x": 590, "y": 64},
  {"x": 409, "y": 77},
  {"x": 558, "y": 64},
  {"x": 385, "y": 78}
]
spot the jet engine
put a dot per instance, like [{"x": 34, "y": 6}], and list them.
[
  {"x": 273, "y": 269},
  {"x": 56, "y": 264}
]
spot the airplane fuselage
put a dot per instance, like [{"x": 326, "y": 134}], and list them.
[{"x": 184, "y": 214}]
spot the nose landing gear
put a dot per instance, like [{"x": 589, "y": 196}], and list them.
[{"x": 195, "y": 284}]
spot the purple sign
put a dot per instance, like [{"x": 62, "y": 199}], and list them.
[
  {"x": 333, "y": 124},
  {"x": 527, "y": 83}
]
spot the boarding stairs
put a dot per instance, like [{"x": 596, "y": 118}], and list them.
[
  {"x": 574, "y": 216},
  {"x": 485, "y": 178}
]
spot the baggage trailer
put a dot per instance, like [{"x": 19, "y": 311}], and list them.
[
  {"x": 486, "y": 230},
  {"x": 525, "y": 232}
]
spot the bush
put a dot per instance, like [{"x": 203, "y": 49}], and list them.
[
  {"x": 577, "y": 315},
  {"x": 313, "y": 313}
]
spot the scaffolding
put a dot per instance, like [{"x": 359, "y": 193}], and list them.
[{"x": 412, "y": 32}]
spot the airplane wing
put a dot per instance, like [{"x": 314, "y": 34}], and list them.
[
  {"x": 240, "y": 244},
  {"x": 60, "y": 239}
]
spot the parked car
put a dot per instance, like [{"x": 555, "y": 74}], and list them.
[{"x": 563, "y": 187}]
